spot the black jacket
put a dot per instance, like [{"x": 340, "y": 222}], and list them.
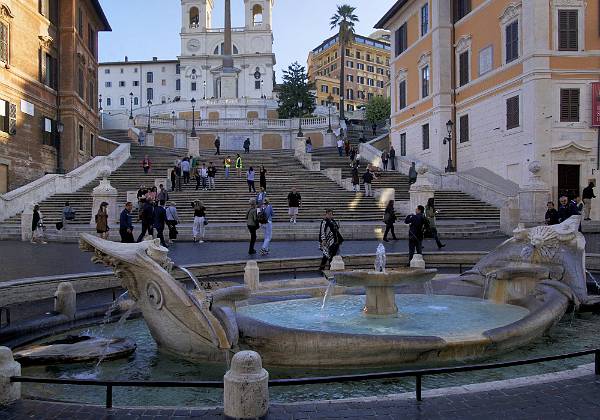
[
  {"x": 160, "y": 217},
  {"x": 566, "y": 211},
  {"x": 147, "y": 215},
  {"x": 588, "y": 192},
  {"x": 551, "y": 217},
  {"x": 417, "y": 225}
]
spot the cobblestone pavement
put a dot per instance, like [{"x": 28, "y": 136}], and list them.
[
  {"x": 567, "y": 399},
  {"x": 24, "y": 260}
]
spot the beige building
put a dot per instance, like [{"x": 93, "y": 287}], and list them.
[
  {"x": 367, "y": 69},
  {"x": 513, "y": 76}
]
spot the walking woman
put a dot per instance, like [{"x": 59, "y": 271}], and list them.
[
  {"x": 330, "y": 238},
  {"x": 37, "y": 226},
  {"x": 267, "y": 209},
  {"x": 263, "y": 177},
  {"x": 355, "y": 180},
  {"x": 172, "y": 221},
  {"x": 239, "y": 165},
  {"x": 389, "y": 218},
  {"x": 199, "y": 221},
  {"x": 384, "y": 159},
  {"x": 253, "y": 225},
  {"x": 250, "y": 180},
  {"x": 101, "y": 218},
  {"x": 430, "y": 214}
]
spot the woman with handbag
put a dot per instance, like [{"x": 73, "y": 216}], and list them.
[
  {"x": 172, "y": 221},
  {"x": 198, "y": 228},
  {"x": 389, "y": 218},
  {"x": 430, "y": 214},
  {"x": 102, "y": 227},
  {"x": 37, "y": 226}
]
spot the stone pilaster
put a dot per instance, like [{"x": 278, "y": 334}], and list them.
[
  {"x": 422, "y": 190},
  {"x": 105, "y": 192}
]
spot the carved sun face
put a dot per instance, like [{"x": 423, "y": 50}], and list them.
[{"x": 543, "y": 244}]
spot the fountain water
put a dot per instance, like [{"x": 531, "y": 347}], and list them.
[
  {"x": 380, "y": 259},
  {"x": 596, "y": 284},
  {"x": 328, "y": 292}
]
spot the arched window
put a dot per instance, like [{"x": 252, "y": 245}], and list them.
[
  {"x": 219, "y": 49},
  {"x": 163, "y": 100},
  {"x": 122, "y": 101},
  {"x": 136, "y": 101},
  {"x": 194, "y": 17},
  {"x": 257, "y": 15}
]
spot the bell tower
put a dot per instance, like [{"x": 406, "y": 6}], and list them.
[
  {"x": 196, "y": 15},
  {"x": 258, "y": 14}
]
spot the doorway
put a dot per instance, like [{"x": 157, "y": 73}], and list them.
[{"x": 568, "y": 180}]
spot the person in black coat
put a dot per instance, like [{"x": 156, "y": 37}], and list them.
[
  {"x": 147, "y": 218},
  {"x": 567, "y": 209},
  {"x": 160, "y": 219},
  {"x": 551, "y": 216},
  {"x": 392, "y": 156},
  {"x": 415, "y": 232},
  {"x": 389, "y": 218},
  {"x": 588, "y": 196},
  {"x": 126, "y": 225}
]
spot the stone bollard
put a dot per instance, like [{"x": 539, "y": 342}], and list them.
[
  {"x": 105, "y": 192},
  {"x": 337, "y": 264},
  {"x": 246, "y": 387},
  {"x": 417, "y": 261},
  {"x": 9, "y": 392},
  {"x": 252, "y": 275},
  {"x": 65, "y": 300},
  {"x": 26, "y": 221}
]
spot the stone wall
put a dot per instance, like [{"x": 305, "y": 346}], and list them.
[
  {"x": 164, "y": 140},
  {"x": 207, "y": 141},
  {"x": 272, "y": 141},
  {"x": 316, "y": 137},
  {"x": 104, "y": 147}
]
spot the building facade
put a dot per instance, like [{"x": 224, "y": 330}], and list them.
[
  {"x": 514, "y": 77},
  {"x": 48, "y": 86},
  {"x": 367, "y": 70}
]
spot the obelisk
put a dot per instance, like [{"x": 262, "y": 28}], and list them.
[{"x": 228, "y": 74}]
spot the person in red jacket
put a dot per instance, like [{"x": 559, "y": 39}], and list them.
[{"x": 146, "y": 164}]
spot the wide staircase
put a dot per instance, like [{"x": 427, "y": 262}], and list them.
[{"x": 120, "y": 136}]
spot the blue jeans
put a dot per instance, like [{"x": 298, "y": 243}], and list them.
[
  {"x": 226, "y": 172},
  {"x": 340, "y": 150},
  {"x": 268, "y": 235}
]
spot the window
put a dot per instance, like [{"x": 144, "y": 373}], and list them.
[
  {"x": 106, "y": 71},
  {"x": 401, "y": 40},
  {"x": 568, "y": 32},
  {"x": 425, "y": 82},
  {"x": 91, "y": 95},
  {"x": 336, "y": 91},
  {"x": 461, "y": 9},
  {"x": 380, "y": 84},
  {"x": 108, "y": 102},
  {"x": 486, "y": 60},
  {"x": 360, "y": 66},
  {"x": 107, "y": 84},
  {"x": 4, "y": 42},
  {"x": 424, "y": 19},
  {"x": 80, "y": 138},
  {"x": 324, "y": 88},
  {"x": 402, "y": 95},
  {"x": 569, "y": 105},
  {"x": 358, "y": 54},
  {"x": 80, "y": 83},
  {"x": 350, "y": 78},
  {"x": 178, "y": 68},
  {"x": 370, "y": 82},
  {"x": 122, "y": 101},
  {"x": 4, "y": 116},
  {"x": 50, "y": 71},
  {"x": 48, "y": 131},
  {"x": 403, "y": 144},
  {"x": 512, "y": 41},
  {"x": 350, "y": 64},
  {"x": 370, "y": 96},
  {"x": 178, "y": 84},
  {"x": 149, "y": 94},
  {"x": 121, "y": 84},
  {"x": 369, "y": 57},
  {"x": 425, "y": 131},
  {"x": 136, "y": 101},
  {"x": 464, "y": 129},
  {"x": 80, "y": 22},
  {"x": 360, "y": 80},
  {"x": 350, "y": 94},
  {"x": 149, "y": 77},
  {"x": 194, "y": 86},
  {"x": 92, "y": 39},
  {"x": 136, "y": 83},
  {"x": 512, "y": 113},
  {"x": 163, "y": 82},
  {"x": 463, "y": 68},
  {"x": 371, "y": 69}
]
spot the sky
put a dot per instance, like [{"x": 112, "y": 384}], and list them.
[{"x": 142, "y": 29}]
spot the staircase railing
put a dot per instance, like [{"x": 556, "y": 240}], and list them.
[
  {"x": 158, "y": 122},
  {"x": 14, "y": 202}
]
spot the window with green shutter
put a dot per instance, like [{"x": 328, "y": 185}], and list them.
[
  {"x": 425, "y": 130},
  {"x": 569, "y": 105},
  {"x": 464, "y": 129},
  {"x": 512, "y": 113},
  {"x": 568, "y": 32}
]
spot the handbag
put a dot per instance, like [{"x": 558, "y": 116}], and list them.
[
  {"x": 205, "y": 222},
  {"x": 59, "y": 225}
]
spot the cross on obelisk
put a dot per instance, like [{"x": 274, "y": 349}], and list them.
[{"x": 227, "y": 48}]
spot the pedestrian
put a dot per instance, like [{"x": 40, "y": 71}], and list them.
[
  {"x": 415, "y": 232},
  {"x": 152, "y": 195},
  {"x": 38, "y": 228},
  {"x": 340, "y": 146},
  {"x": 355, "y": 180},
  {"x": 172, "y": 221},
  {"x": 579, "y": 204},
  {"x": 367, "y": 180},
  {"x": 430, "y": 215},
  {"x": 384, "y": 160},
  {"x": 389, "y": 218},
  {"x": 588, "y": 196},
  {"x": 185, "y": 169},
  {"x": 374, "y": 128},
  {"x": 330, "y": 238},
  {"x": 267, "y": 216},
  {"x": 347, "y": 147},
  {"x": 566, "y": 209},
  {"x": 412, "y": 173},
  {"x": 551, "y": 217},
  {"x": 253, "y": 225},
  {"x": 308, "y": 145},
  {"x": 250, "y": 180},
  {"x": 260, "y": 197},
  {"x": 126, "y": 224},
  {"x": 294, "y": 200},
  {"x": 173, "y": 177},
  {"x": 146, "y": 215},
  {"x": 162, "y": 195},
  {"x": 352, "y": 154},
  {"x": 199, "y": 227},
  {"x": 218, "y": 145},
  {"x": 212, "y": 173},
  {"x": 239, "y": 165},
  {"x": 68, "y": 214},
  {"x": 263, "y": 177},
  {"x": 160, "y": 220},
  {"x": 227, "y": 166},
  {"x": 146, "y": 164},
  {"x": 141, "y": 194},
  {"x": 178, "y": 174},
  {"x": 203, "y": 177},
  {"x": 392, "y": 157},
  {"x": 247, "y": 145},
  {"x": 101, "y": 219}
]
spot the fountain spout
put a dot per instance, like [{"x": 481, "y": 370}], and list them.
[{"x": 380, "y": 259}]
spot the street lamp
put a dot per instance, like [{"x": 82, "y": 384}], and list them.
[
  {"x": 450, "y": 167},
  {"x": 193, "y": 134},
  {"x": 204, "y": 85},
  {"x": 131, "y": 105},
  {"x": 329, "y": 101},
  {"x": 173, "y": 116},
  {"x": 262, "y": 82},
  {"x": 300, "y": 133},
  {"x": 100, "y": 111},
  {"x": 149, "y": 128}
]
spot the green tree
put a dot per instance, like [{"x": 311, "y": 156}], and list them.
[
  {"x": 344, "y": 20},
  {"x": 378, "y": 109},
  {"x": 293, "y": 90}
]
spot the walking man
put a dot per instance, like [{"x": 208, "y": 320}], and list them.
[
  {"x": 392, "y": 156},
  {"x": 412, "y": 174},
  {"x": 415, "y": 232},
  {"x": 147, "y": 218},
  {"x": 212, "y": 173},
  {"x": 247, "y": 145},
  {"x": 160, "y": 219},
  {"x": 185, "y": 168},
  {"x": 267, "y": 214},
  {"x": 588, "y": 196},
  {"x": 126, "y": 224},
  {"x": 203, "y": 171},
  {"x": 218, "y": 145},
  {"x": 340, "y": 146},
  {"x": 294, "y": 201},
  {"x": 252, "y": 223},
  {"x": 163, "y": 195},
  {"x": 239, "y": 165},
  {"x": 330, "y": 238},
  {"x": 367, "y": 179}
]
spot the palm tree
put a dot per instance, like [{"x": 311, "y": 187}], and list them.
[{"x": 344, "y": 19}]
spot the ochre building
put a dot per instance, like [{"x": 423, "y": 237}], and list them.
[
  {"x": 514, "y": 77},
  {"x": 48, "y": 86}
]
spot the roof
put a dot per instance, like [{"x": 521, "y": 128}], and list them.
[
  {"x": 357, "y": 38},
  {"x": 101, "y": 15},
  {"x": 125, "y": 63},
  {"x": 390, "y": 14}
]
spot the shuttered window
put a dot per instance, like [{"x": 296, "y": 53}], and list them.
[
  {"x": 463, "y": 68},
  {"x": 403, "y": 144},
  {"x": 568, "y": 33},
  {"x": 4, "y": 42},
  {"x": 512, "y": 41},
  {"x": 464, "y": 129},
  {"x": 425, "y": 82},
  {"x": 512, "y": 113},
  {"x": 425, "y": 130},
  {"x": 461, "y": 9},
  {"x": 402, "y": 95},
  {"x": 569, "y": 105},
  {"x": 401, "y": 40}
]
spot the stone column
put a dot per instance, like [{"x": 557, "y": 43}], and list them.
[
  {"x": 299, "y": 146},
  {"x": 9, "y": 392},
  {"x": 26, "y": 220},
  {"x": 194, "y": 146},
  {"x": 329, "y": 140},
  {"x": 149, "y": 139},
  {"x": 246, "y": 387},
  {"x": 227, "y": 47},
  {"x": 105, "y": 192},
  {"x": 65, "y": 300},
  {"x": 533, "y": 197},
  {"x": 252, "y": 275},
  {"x": 422, "y": 190}
]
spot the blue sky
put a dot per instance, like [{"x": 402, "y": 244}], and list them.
[{"x": 143, "y": 29}]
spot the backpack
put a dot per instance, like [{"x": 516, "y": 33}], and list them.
[{"x": 262, "y": 218}]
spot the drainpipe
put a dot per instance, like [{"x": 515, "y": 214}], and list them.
[
  {"x": 454, "y": 139},
  {"x": 59, "y": 160}
]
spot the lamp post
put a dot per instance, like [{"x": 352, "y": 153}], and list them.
[
  {"x": 300, "y": 133},
  {"x": 149, "y": 128},
  {"x": 193, "y": 134},
  {"x": 173, "y": 116},
  {"x": 100, "y": 111},
  {"x": 204, "y": 86},
  {"x": 450, "y": 167},
  {"x": 329, "y": 101},
  {"x": 262, "y": 82},
  {"x": 131, "y": 105}
]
